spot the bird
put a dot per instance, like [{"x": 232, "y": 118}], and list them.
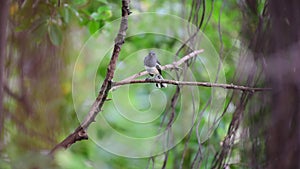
[{"x": 153, "y": 67}]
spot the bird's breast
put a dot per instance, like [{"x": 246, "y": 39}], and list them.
[{"x": 151, "y": 70}]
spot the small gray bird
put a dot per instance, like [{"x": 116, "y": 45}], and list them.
[{"x": 152, "y": 66}]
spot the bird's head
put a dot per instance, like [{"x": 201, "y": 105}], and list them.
[{"x": 152, "y": 53}]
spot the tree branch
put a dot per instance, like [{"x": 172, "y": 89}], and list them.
[
  {"x": 80, "y": 133},
  {"x": 204, "y": 84},
  {"x": 175, "y": 65}
]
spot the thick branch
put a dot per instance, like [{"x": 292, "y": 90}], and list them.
[
  {"x": 174, "y": 65},
  {"x": 204, "y": 84},
  {"x": 80, "y": 133}
]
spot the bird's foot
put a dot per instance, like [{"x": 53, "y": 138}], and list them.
[{"x": 149, "y": 78}]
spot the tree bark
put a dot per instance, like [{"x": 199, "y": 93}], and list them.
[
  {"x": 283, "y": 69},
  {"x": 3, "y": 25}
]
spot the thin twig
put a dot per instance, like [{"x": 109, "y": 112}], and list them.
[{"x": 204, "y": 84}]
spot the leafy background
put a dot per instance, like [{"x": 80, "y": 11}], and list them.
[{"x": 44, "y": 40}]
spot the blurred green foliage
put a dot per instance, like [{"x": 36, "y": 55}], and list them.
[
  {"x": 67, "y": 25},
  {"x": 55, "y": 16}
]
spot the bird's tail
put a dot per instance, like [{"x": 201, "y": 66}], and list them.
[{"x": 160, "y": 85}]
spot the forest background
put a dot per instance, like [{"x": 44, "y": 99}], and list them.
[{"x": 243, "y": 112}]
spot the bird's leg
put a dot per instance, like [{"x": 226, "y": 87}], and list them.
[{"x": 150, "y": 78}]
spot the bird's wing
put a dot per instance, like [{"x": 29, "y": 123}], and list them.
[{"x": 158, "y": 67}]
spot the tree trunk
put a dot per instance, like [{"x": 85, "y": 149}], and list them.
[
  {"x": 3, "y": 25},
  {"x": 283, "y": 69}
]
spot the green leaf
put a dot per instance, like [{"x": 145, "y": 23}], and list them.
[
  {"x": 75, "y": 13},
  {"x": 55, "y": 34},
  {"x": 93, "y": 26},
  {"x": 40, "y": 31},
  {"x": 103, "y": 8},
  {"x": 39, "y": 28},
  {"x": 106, "y": 15},
  {"x": 104, "y": 12},
  {"x": 66, "y": 14}
]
